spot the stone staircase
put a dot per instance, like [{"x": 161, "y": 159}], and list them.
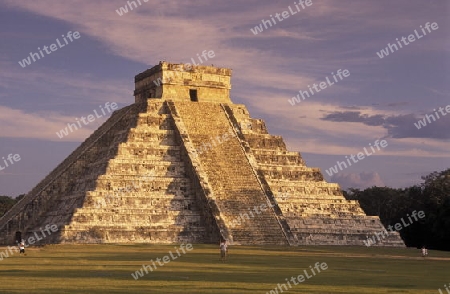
[
  {"x": 230, "y": 175},
  {"x": 316, "y": 211}
]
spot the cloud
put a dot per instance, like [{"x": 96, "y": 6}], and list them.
[
  {"x": 398, "y": 126},
  {"x": 396, "y": 104},
  {"x": 225, "y": 29},
  {"x": 304, "y": 129},
  {"x": 269, "y": 68},
  {"x": 59, "y": 98},
  {"x": 358, "y": 180},
  {"x": 52, "y": 87},
  {"x": 355, "y": 116},
  {"x": 44, "y": 125}
]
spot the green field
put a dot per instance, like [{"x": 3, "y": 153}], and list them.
[{"x": 108, "y": 269}]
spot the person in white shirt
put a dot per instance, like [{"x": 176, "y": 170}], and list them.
[
  {"x": 22, "y": 248},
  {"x": 223, "y": 250},
  {"x": 424, "y": 251}
]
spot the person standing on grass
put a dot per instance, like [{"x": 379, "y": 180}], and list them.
[
  {"x": 22, "y": 248},
  {"x": 424, "y": 251},
  {"x": 223, "y": 250}
]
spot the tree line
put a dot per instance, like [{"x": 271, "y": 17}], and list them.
[
  {"x": 391, "y": 205},
  {"x": 7, "y": 202}
]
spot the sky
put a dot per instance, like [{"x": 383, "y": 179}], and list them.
[{"x": 381, "y": 97}]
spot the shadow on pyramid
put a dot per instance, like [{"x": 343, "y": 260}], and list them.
[{"x": 184, "y": 164}]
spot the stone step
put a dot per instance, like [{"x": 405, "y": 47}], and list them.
[
  {"x": 234, "y": 191},
  {"x": 279, "y": 159},
  {"x": 267, "y": 168},
  {"x": 322, "y": 209},
  {"x": 123, "y": 180},
  {"x": 336, "y": 239},
  {"x": 166, "y": 170},
  {"x": 157, "y": 221},
  {"x": 133, "y": 235},
  {"x": 149, "y": 219},
  {"x": 286, "y": 185},
  {"x": 151, "y": 205},
  {"x": 308, "y": 198}
]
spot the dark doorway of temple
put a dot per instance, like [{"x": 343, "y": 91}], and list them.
[{"x": 193, "y": 95}]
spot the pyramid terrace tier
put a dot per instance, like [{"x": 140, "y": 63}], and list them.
[{"x": 274, "y": 157}]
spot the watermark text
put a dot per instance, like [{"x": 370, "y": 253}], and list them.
[
  {"x": 322, "y": 85},
  {"x": 36, "y": 56}
]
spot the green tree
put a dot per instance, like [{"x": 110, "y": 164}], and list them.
[
  {"x": 436, "y": 200},
  {"x": 6, "y": 203},
  {"x": 393, "y": 205}
]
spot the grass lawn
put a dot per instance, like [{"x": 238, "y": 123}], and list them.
[{"x": 108, "y": 269}]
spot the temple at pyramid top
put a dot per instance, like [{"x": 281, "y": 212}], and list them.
[{"x": 183, "y": 82}]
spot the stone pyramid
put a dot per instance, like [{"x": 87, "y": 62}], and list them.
[{"x": 185, "y": 164}]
